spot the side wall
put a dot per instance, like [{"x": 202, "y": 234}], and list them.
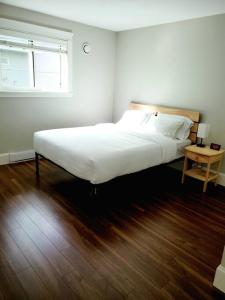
[{"x": 180, "y": 64}]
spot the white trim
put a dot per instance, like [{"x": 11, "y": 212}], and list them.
[
  {"x": 70, "y": 65},
  {"x": 221, "y": 179},
  {"x": 21, "y": 155},
  {"x": 13, "y": 157},
  {"x": 219, "y": 280},
  {"x": 31, "y": 29},
  {"x": 35, "y": 94},
  {"x": 4, "y": 159}
]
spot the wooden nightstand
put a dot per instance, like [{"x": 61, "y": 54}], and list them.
[{"x": 202, "y": 156}]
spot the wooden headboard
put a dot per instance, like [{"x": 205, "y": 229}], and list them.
[{"x": 193, "y": 115}]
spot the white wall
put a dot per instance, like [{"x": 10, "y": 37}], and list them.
[
  {"x": 180, "y": 64},
  {"x": 93, "y": 86}
]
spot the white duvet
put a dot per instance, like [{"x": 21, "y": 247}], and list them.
[{"x": 102, "y": 152}]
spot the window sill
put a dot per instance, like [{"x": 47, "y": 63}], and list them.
[{"x": 18, "y": 94}]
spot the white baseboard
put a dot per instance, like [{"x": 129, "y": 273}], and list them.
[
  {"x": 4, "y": 159},
  {"x": 221, "y": 179},
  {"x": 219, "y": 280},
  {"x": 13, "y": 157},
  {"x": 21, "y": 156}
]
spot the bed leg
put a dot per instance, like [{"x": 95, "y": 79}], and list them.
[
  {"x": 94, "y": 191},
  {"x": 37, "y": 165}
]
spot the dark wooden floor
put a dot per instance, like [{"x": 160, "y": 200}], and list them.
[{"x": 137, "y": 240}]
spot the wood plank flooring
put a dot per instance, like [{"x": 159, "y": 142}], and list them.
[{"x": 136, "y": 240}]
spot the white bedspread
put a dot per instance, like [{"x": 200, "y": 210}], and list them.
[{"x": 102, "y": 152}]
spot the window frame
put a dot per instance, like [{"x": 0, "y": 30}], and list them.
[{"x": 31, "y": 31}]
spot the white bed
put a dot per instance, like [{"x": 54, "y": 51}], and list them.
[
  {"x": 181, "y": 144},
  {"x": 102, "y": 152}
]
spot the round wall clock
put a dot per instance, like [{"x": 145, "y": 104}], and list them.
[{"x": 86, "y": 48}]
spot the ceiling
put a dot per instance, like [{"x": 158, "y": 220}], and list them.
[{"x": 120, "y": 15}]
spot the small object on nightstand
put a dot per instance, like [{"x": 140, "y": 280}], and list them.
[
  {"x": 203, "y": 132},
  {"x": 215, "y": 146},
  {"x": 202, "y": 156}
]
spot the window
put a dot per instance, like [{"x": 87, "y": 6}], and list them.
[
  {"x": 31, "y": 64},
  {"x": 15, "y": 69}
]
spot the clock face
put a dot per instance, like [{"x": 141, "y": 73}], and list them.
[{"x": 86, "y": 48}]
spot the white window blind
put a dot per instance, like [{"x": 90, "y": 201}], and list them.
[{"x": 30, "y": 44}]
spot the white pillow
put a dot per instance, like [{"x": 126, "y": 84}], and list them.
[
  {"x": 167, "y": 125},
  {"x": 170, "y": 125},
  {"x": 133, "y": 118},
  {"x": 184, "y": 131},
  {"x": 150, "y": 124}
]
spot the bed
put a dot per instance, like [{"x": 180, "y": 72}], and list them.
[{"x": 102, "y": 152}]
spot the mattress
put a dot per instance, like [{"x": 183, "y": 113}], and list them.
[
  {"x": 181, "y": 144},
  {"x": 101, "y": 153}
]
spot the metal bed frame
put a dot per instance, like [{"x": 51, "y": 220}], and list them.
[{"x": 38, "y": 156}]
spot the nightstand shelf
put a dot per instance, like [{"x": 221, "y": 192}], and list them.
[
  {"x": 204, "y": 156},
  {"x": 200, "y": 174}
]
